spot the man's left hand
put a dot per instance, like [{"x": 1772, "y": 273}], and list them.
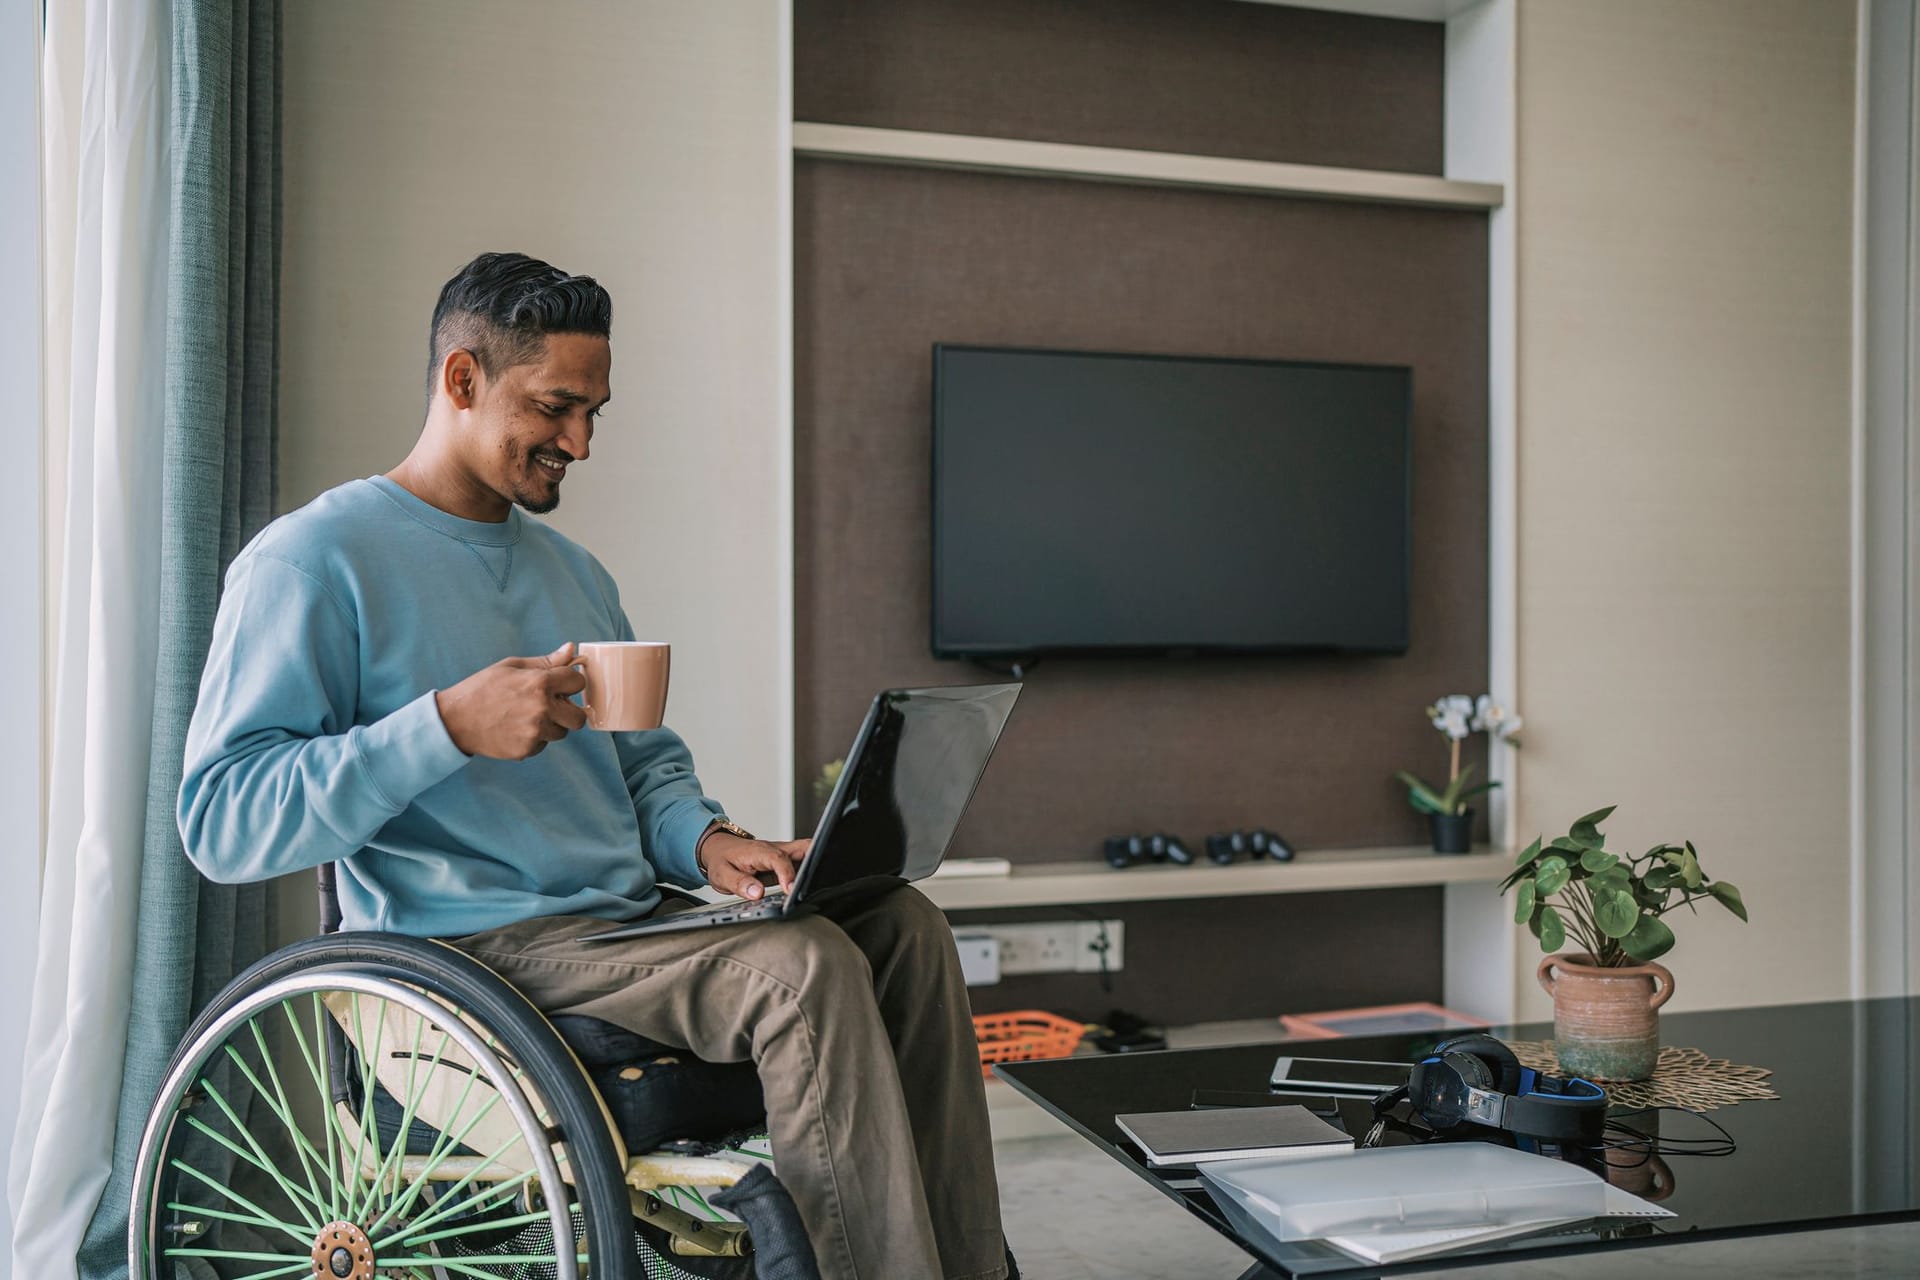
[{"x": 733, "y": 865}]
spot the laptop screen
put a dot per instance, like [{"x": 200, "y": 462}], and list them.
[{"x": 906, "y": 784}]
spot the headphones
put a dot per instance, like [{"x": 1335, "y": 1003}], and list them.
[{"x": 1476, "y": 1080}]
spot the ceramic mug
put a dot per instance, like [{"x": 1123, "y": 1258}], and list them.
[{"x": 626, "y": 683}]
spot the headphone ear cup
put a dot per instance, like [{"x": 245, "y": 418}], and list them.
[
  {"x": 1502, "y": 1066},
  {"x": 1439, "y": 1087},
  {"x": 1471, "y": 1068}
]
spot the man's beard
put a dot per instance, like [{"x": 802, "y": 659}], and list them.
[
  {"x": 543, "y": 493},
  {"x": 540, "y": 504}
]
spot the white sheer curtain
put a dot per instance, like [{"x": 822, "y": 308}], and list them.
[{"x": 106, "y": 179}]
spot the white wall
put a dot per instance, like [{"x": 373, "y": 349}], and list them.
[
  {"x": 1685, "y": 186},
  {"x": 21, "y": 793},
  {"x": 644, "y": 142}
]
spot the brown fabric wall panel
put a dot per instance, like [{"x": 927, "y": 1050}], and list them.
[
  {"x": 891, "y": 260},
  {"x": 1199, "y": 960},
  {"x": 1201, "y": 77}
]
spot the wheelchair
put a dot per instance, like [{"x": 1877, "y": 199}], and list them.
[{"x": 369, "y": 1104}]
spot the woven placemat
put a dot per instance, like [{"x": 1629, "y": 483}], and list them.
[{"x": 1681, "y": 1078}]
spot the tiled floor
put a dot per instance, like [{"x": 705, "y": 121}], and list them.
[{"x": 1073, "y": 1214}]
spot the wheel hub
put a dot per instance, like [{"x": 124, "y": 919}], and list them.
[{"x": 342, "y": 1252}]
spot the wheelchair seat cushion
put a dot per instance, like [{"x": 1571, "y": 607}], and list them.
[{"x": 659, "y": 1093}]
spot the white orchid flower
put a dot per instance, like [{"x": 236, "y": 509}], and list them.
[
  {"x": 1491, "y": 718},
  {"x": 1451, "y": 715}
]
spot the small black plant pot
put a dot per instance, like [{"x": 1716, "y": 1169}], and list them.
[{"x": 1452, "y": 832}]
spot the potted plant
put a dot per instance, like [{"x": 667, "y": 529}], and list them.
[
  {"x": 1608, "y": 991},
  {"x": 1449, "y": 818}
]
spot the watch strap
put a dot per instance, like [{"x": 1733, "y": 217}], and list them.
[{"x": 720, "y": 822}]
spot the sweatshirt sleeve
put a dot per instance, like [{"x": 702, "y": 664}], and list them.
[
  {"x": 277, "y": 777},
  {"x": 667, "y": 799}
]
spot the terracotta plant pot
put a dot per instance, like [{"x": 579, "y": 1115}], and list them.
[{"x": 1606, "y": 1021}]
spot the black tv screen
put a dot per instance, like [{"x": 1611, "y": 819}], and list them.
[{"x": 1124, "y": 503}]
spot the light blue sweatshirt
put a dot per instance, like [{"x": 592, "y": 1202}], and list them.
[{"x": 317, "y": 739}]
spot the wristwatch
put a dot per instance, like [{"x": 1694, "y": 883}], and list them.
[{"x": 727, "y": 825}]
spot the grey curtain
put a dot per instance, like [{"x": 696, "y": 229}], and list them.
[{"x": 220, "y": 481}]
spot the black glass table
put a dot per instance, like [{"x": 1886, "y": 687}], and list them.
[{"x": 1839, "y": 1147}]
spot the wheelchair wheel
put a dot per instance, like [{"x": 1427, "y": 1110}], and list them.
[{"x": 364, "y": 1105}]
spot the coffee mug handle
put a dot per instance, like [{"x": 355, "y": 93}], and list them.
[{"x": 579, "y": 664}]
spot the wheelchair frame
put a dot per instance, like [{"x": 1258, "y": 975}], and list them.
[{"x": 565, "y": 1135}]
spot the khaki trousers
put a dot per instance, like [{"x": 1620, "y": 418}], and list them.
[{"x": 857, "y": 1021}]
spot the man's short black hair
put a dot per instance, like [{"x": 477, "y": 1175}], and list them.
[{"x": 502, "y": 306}]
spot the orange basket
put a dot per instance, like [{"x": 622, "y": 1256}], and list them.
[{"x": 1024, "y": 1035}]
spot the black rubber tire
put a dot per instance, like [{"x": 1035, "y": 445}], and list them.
[{"x": 489, "y": 1000}]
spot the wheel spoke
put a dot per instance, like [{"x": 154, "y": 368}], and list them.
[
  {"x": 413, "y": 1239},
  {"x": 449, "y": 1206},
  {"x": 238, "y": 1255},
  {"x": 259, "y": 1158},
  {"x": 325, "y": 1094},
  {"x": 396, "y": 1158},
  {"x": 285, "y": 1109},
  {"x": 369, "y": 1127},
  {"x": 348, "y": 1179},
  {"x": 304, "y": 1237},
  {"x": 245, "y": 1219},
  {"x": 293, "y": 1191},
  {"x": 444, "y": 1209},
  {"x": 442, "y": 1148}
]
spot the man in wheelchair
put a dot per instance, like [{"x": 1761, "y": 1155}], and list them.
[{"x": 389, "y": 689}]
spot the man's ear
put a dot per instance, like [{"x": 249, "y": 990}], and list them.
[{"x": 460, "y": 376}]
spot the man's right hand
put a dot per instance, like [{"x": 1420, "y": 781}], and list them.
[{"x": 514, "y": 708}]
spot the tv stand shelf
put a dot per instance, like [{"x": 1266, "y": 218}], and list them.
[{"x": 1323, "y": 871}]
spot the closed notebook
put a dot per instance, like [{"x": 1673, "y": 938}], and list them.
[{"x": 1181, "y": 1138}]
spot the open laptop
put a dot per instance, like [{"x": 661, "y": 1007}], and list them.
[{"x": 913, "y": 768}]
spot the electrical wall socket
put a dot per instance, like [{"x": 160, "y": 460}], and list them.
[
  {"x": 979, "y": 959},
  {"x": 1054, "y": 946}
]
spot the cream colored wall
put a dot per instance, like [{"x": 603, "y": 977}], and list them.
[
  {"x": 1685, "y": 204},
  {"x": 640, "y": 141}
]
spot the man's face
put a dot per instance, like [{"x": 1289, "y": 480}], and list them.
[{"x": 526, "y": 424}]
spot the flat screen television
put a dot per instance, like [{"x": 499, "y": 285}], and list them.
[{"x": 1099, "y": 503}]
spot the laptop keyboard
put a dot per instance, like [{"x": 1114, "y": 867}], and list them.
[{"x": 768, "y": 905}]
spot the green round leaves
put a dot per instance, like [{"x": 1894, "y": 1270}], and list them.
[
  {"x": 1608, "y": 904},
  {"x": 1553, "y": 931},
  {"x": 1728, "y": 896},
  {"x": 1649, "y": 940},
  {"x": 1551, "y": 876},
  {"x": 1597, "y": 860},
  {"x": 1615, "y": 912},
  {"x": 1523, "y": 902}
]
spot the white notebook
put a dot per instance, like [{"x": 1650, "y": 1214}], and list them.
[
  {"x": 1388, "y": 1247},
  {"x": 1179, "y": 1139},
  {"x": 1454, "y": 1187}
]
